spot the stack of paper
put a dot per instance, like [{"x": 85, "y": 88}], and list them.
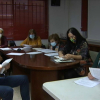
[
  {"x": 17, "y": 54},
  {"x": 46, "y": 50},
  {"x": 37, "y": 48},
  {"x": 33, "y": 52},
  {"x": 5, "y": 49},
  {"x": 26, "y": 45},
  {"x": 51, "y": 54},
  {"x": 59, "y": 60}
]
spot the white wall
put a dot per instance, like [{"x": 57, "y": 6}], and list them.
[
  {"x": 62, "y": 17},
  {"x": 75, "y": 14},
  {"x": 94, "y": 21},
  {"x": 58, "y": 17}
]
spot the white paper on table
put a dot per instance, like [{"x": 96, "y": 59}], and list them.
[
  {"x": 18, "y": 48},
  {"x": 59, "y": 57},
  {"x": 37, "y": 48},
  {"x": 17, "y": 54},
  {"x": 4, "y": 64},
  {"x": 33, "y": 52},
  {"x": 51, "y": 54},
  {"x": 59, "y": 60},
  {"x": 47, "y": 50},
  {"x": 26, "y": 45},
  {"x": 87, "y": 82},
  {"x": 5, "y": 49},
  {"x": 95, "y": 72}
]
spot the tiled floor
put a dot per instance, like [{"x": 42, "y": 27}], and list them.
[{"x": 17, "y": 95}]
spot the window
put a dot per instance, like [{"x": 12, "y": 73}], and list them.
[{"x": 18, "y": 16}]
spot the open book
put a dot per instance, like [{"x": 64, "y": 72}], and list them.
[{"x": 4, "y": 64}]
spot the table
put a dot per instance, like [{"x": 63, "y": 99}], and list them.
[
  {"x": 68, "y": 90},
  {"x": 39, "y": 69}
]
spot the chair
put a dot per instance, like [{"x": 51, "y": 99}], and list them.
[
  {"x": 11, "y": 43},
  {"x": 43, "y": 46}
]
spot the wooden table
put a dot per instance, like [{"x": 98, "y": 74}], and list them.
[
  {"x": 69, "y": 90},
  {"x": 39, "y": 68}
]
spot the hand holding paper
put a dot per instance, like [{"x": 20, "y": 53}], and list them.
[
  {"x": 95, "y": 72},
  {"x": 5, "y": 65}
]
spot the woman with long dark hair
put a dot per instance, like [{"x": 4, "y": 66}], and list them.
[{"x": 76, "y": 48}]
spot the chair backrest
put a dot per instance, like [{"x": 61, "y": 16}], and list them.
[
  {"x": 11, "y": 43},
  {"x": 43, "y": 46}
]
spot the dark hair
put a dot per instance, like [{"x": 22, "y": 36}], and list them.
[
  {"x": 55, "y": 37},
  {"x": 32, "y": 31},
  {"x": 78, "y": 36}
]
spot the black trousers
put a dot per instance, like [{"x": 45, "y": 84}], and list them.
[{"x": 71, "y": 73}]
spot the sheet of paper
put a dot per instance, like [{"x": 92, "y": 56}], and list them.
[
  {"x": 59, "y": 60},
  {"x": 95, "y": 72},
  {"x": 5, "y": 49},
  {"x": 51, "y": 54},
  {"x": 37, "y": 48},
  {"x": 59, "y": 57},
  {"x": 87, "y": 82},
  {"x": 33, "y": 52},
  {"x": 47, "y": 50},
  {"x": 26, "y": 45},
  {"x": 4, "y": 64},
  {"x": 3, "y": 69},
  {"x": 17, "y": 54}
]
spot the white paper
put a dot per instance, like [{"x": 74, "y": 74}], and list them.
[
  {"x": 46, "y": 50},
  {"x": 26, "y": 45},
  {"x": 33, "y": 52},
  {"x": 5, "y": 49},
  {"x": 59, "y": 57},
  {"x": 95, "y": 72},
  {"x": 3, "y": 69},
  {"x": 4, "y": 64},
  {"x": 37, "y": 48},
  {"x": 87, "y": 82},
  {"x": 17, "y": 54},
  {"x": 51, "y": 54},
  {"x": 59, "y": 60}
]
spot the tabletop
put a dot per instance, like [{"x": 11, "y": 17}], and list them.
[
  {"x": 38, "y": 61},
  {"x": 68, "y": 90}
]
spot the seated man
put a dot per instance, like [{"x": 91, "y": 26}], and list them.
[
  {"x": 8, "y": 82},
  {"x": 96, "y": 64}
]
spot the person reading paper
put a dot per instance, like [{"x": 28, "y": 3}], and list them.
[
  {"x": 76, "y": 48},
  {"x": 7, "y": 83}
]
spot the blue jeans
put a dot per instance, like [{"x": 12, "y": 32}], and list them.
[{"x": 8, "y": 82}]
